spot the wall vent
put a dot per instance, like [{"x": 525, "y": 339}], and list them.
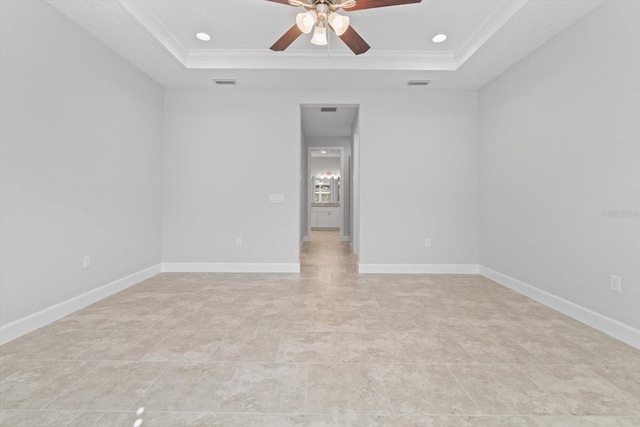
[
  {"x": 224, "y": 81},
  {"x": 418, "y": 82},
  {"x": 328, "y": 109}
]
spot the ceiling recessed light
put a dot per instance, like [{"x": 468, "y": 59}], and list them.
[
  {"x": 203, "y": 36},
  {"x": 439, "y": 38}
]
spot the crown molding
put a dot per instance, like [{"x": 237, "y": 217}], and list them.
[
  {"x": 157, "y": 28},
  {"x": 381, "y": 60},
  {"x": 487, "y": 29},
  {"x": 307, "y": 59}
]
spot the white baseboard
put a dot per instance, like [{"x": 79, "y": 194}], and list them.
[
  {"x": 345, "y": 238},
  {"x": 609, "y": 326},
  {"x": 418, "y": 268},
  {"x": 215, "y": 267},
  {"x": 30, "y": 323}
]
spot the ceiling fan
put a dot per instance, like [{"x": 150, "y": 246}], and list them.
[{"x": 323, "y": 13}]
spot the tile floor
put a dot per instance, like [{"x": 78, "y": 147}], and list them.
[{"x": 325, "y": 347}]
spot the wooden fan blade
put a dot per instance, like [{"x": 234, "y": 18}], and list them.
[
  {"x": 288, "y": 38},
  {"x": 353, "y": 40},
  {"x": 370, "y": 4},
  {"x": 281, "y": 2}
]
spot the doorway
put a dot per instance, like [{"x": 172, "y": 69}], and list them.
[{"x": 328, "y": 172}]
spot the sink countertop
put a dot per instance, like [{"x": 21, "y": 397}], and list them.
[{"x": 325, "y": 205}]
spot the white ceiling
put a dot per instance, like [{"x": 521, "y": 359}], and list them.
[
  {"x": 486, "y": 37},
  {"x": 316, "y": 124}
]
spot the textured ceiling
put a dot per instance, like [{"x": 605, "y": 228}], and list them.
[{"x": 486, "y": 37}]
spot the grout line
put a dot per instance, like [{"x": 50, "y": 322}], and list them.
[
  {"x": 464, "y": 389},
  {"x": 150, "y": 385},
  {"x": 73, "y": 384}
]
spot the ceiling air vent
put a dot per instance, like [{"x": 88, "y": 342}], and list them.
[
  {"x": 328, "y": 109},
  {"x": 224, "y": 81},
  {"x": 418, "y": 82}
]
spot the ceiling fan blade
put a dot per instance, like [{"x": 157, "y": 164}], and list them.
[
  {"x": 288, "y": 38},
  {"x": 370, "y": 4},
  {"x": 353, "y": 40},
  {"x": 282, "y": 2}
]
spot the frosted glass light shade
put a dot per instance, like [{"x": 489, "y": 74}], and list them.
[
  {"x": 319, "y": 36},
  {"x": 339, "y": 23},
  {"x": 306, "y": 21}
]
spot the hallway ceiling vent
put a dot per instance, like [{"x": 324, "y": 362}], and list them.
[
  {"x": 224, "y": 81},
  {"x": 418, "y": 82},
  {"x": 328, "y": 109}
]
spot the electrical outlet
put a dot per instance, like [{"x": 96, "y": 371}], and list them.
[
  {"x": 616, "y": 284},
  {"x": 427, "y": 243},
  {"x": 86, "y": 261},
  {"x": 238, "y": 241}
]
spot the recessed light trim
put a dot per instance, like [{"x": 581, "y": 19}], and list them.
[
  {"x": 439, "y": 38},
  {"x": 203, "y": 37}
]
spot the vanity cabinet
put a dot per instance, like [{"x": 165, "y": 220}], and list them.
[{"x": 322, "y": 217}]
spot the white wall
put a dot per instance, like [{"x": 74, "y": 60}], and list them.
[
  {"x": 227, "y": 148},
  {"x": 560, "y": 138},
  {"x": 80, "y": 162},
  {"x": 431, "y": 191},
  {"x": 225, "y": 151}
]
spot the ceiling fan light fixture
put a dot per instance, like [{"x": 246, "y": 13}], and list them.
[
  {"x": 306, "y": 21},
  {"x": 339, "y": 23},
  {"x": 320, "y": 35}
]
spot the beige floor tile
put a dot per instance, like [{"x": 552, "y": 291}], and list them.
[
  {"x": 110, "y": 386},
  {"x": 336, "y": 389},
  {"x": 608, "y": 349},
  {"x": 505, "y": 390},
  {"x": 370, "y": 347},
  {"x": 123, "y": 345},
  {"x": 626, "y": 378},
  {"x": 425, "y": 389},
  {"x": 337, "y": 321},
  {"x": 494, "y": 348},
  {"x": 248, "y": 346},
  {"x": 439, "y": 421},
  {"x": 574, "y": 421},
  {"x": 310, "y": 347},
  {"x": 197, "y": 387},
  {"x": 289, "y": 320},
  {"x": 185, "y": 346},
  {"x": 266, "y": 388},
  {"x": 54, "y": 342},
  {"x": 39, "y": 382},
  {"x": 556, "y": 349},
  {"x": 427, "y": 347},
  {"x": 15, "y": 418},
  {"x": 582, "y": 391},
  {"x": 302, "y": 421}
]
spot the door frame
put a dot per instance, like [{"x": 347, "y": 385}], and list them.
[{"x": 310, "y": 185}]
